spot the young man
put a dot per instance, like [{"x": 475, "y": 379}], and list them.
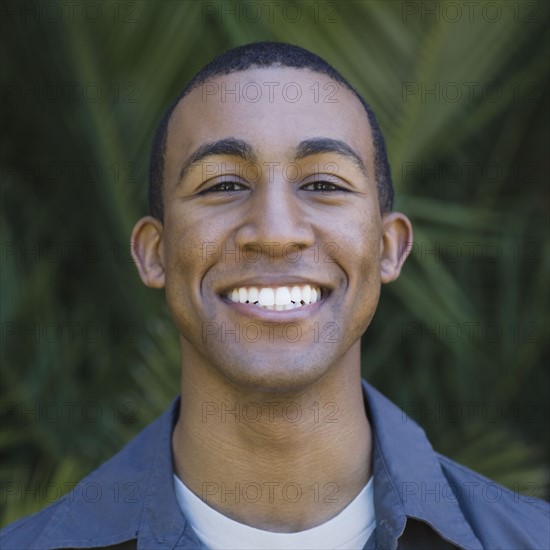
[{"x": 271, "y": 231}]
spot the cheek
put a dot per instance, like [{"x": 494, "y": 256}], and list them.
[
  {"x": 182, "y": 254},
  {"x": 364, "y": 277},
  {"x": 186, "y": 238},
  {"x": 362, "y": 237},
  {"x": 183, "y": 257},
  {"x": 192, "y": 245},
  {"x": 359, "y": 258}
]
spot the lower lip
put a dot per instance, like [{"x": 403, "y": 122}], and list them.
[{"x": 285, "y": 316}]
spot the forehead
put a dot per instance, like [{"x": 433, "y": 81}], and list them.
[{"x": 273, "y": 109}]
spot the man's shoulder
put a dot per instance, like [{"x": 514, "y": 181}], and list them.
[
  {"x": 103, "y": 509},
  {"x": 37, "y": 530},
  {"x": 461, "y": 505},
  {"x": 499, "y": 516},
  {"x": 24, "y": 532}
]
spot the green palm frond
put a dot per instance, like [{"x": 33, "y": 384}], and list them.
[{"x": 140, "y": 61}]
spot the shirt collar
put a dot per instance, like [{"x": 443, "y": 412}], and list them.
[
  {"x": 163, "y": 524},
  {"x": 408, "y": 479},
  {"x": 132, "y": 495}
]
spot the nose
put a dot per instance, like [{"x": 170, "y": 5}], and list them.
[{"x": 276, "y": 223}]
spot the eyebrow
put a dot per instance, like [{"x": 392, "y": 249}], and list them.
[
  {"x": 320, "y": 145},
  {"x": 242, "y": 149},
  {"x": 227, "y": 146}
]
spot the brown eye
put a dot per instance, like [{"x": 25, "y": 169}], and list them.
[
  {"x": 324, "y": 186},
  {"x": 224, "y": 186}
]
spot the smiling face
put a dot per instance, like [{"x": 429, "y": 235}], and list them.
[{"x": 268, "y": 194}]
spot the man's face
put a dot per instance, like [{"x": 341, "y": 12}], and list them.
[{"x": 294, "y": 208}]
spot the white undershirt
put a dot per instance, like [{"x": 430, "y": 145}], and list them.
[{"x": 349, "y": 530}]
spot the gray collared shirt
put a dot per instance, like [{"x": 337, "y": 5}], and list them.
[{"x": 421, "y": 499}]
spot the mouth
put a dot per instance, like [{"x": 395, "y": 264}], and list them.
[{"x": 286, "y": 300}]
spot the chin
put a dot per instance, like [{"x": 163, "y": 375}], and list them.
[{"x": 277, "y": 373}]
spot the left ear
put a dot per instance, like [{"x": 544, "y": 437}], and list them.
[
  {"x": 395, "y": 245},
  {"x": 147, "y": 251}
]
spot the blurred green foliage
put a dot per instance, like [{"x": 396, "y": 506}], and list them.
[{"x": 459, "y": 341}]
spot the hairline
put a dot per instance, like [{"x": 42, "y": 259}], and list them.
[
  {"x": 194, "y": 85},
  {"x": 201, "y": 77}
]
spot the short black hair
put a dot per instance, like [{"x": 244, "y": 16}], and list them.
[{"x": 258, "y": 55}]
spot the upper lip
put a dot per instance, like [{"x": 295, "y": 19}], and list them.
[{"x": 263, "y": 281}]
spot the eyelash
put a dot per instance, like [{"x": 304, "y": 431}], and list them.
[
  {"x": 215, "y": 188},
  {"x": 336, "y": 187}
]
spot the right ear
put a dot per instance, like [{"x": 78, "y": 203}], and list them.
[{"x": 146, "y": 244}]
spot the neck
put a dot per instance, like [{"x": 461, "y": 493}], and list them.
[{"x": 279, "y": 462}]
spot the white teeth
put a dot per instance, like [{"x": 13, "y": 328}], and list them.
[
  {"x": 281, "y": 298},
  {"x": 296, "y": 294},
  {"x": 267, "y": 297},
  {"x": 314, "y": 295},
  {"x": 243, "y": 295},
  {"x": 253, "y": 294}
]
